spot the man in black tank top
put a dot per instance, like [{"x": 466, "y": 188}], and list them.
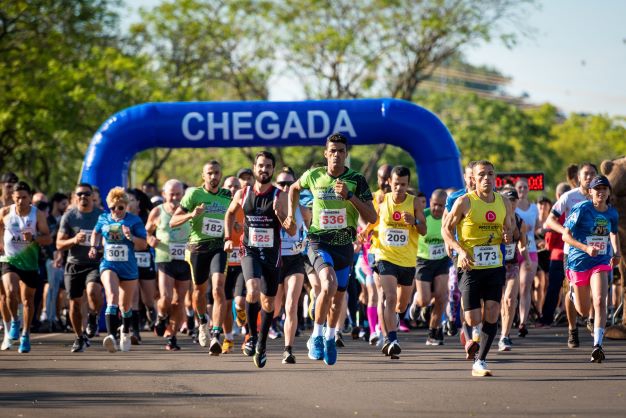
[{"x": 265, "y": 209}]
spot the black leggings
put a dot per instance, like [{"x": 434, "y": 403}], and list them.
[{"x": 556, "y": 275}]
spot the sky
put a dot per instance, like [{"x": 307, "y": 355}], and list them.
[{"x": 574, "y": 58}]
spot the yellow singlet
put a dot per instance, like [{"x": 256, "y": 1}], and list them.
[
  {"x": 480, "y": 232},
  {"x": 398, "y": 240}
]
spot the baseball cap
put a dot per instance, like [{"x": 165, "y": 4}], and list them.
[
  {"x": 9, "y": 177},
  {"x": 599, "y": 181},
  {"x": 244, "y": 171}
]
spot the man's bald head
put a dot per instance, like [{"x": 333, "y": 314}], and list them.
[{"x": 384, "y": 174}]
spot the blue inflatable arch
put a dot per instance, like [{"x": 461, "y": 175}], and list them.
[{"x": 261, "y": 124}]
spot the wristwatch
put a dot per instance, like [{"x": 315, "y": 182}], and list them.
[{"x": 349, "y": 195}]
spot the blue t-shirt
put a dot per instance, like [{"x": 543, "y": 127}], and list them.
[
  {"x": 453, "y": 197},
  {"x": 590, "y": 227},
  {"x": 119, "y": 253}
]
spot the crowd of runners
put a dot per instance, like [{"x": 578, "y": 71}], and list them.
[{"x": 268, "y": 254}]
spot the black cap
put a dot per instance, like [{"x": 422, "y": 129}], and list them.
[
  {"x": 544, "y": 199},
  {"x": 599, "y": 181},
  {"x": 244, "y": 171},
  {"x": 9, "y": 177},
  {"x": 510, "y": 194}
]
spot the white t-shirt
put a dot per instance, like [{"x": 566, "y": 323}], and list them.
[
  {"x": 529, "y": 216},
  {"x": 565, "y": 204}
]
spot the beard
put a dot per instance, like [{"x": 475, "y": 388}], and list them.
[{"x": 263, "y": 178}]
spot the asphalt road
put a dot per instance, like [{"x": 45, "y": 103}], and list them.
[{"x": 540, "y": 377}]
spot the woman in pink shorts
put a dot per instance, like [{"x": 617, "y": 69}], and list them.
[{"x": 591, "y": 230}]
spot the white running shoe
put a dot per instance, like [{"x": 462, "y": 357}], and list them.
[
  {"x": 125, "y": 341},
  {"x": 6, "y": 342},
  {"x": 110, "y": 344},
  {"x": 203, "y": 334},
  {"x": 480, "y": 369}
]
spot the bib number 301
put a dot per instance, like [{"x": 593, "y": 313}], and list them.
[
  {"x": 486, "y": 256},
  {"x": 116, "y": 253}
]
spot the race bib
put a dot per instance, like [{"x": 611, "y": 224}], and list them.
[
  {"x": 601, "y": 243},
  {"x": 261, "y": 237},
  {"x": 233, "y": 256},
  {"x": 87, "y": 241},
  {"x": 333, "y": 219},
  {"x": 396, "y": 237},
  {"x": 116, "y": 252},
  {"x": 177, "y": 251},
  {"x": 143, "y": 260},
  {"x": 213, "y": 227},
  {"x": 436, "y": 251},
  {"x": 486, "y": 256},
  {"x": 510, "y": 251},
  {"x": 298, "y": 247}
]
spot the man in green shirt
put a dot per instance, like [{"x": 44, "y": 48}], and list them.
[
  {"x": 340, "y": 195},
  {"x": 204, "y": 207}
]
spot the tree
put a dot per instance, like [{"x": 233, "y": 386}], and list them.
[
  {"x": 62, "y": 74},
  {"x": 346, "y": 49}
]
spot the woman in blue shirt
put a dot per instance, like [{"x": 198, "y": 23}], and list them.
[
  {"x": 588, "y": 229},
  {"x": 123, "y": 233}
]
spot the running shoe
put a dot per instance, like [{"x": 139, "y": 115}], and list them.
[
  {"x": 159, "y": 326},
  {"x": 356, "y": 330},
  {"x": 215, "y": 348},
  {"x": 241, "y": 317},
  {"x": 203, "y": 334},
  {"x": 374, "y": 337},
  {"x": 273, "y": 333},
  {"x": 249, "y": 345},
  {"x": 414, "y": 313},
  {"x": 110, "y": 344},
  {"x": 171, "y": 344},
  {"x": 479, "y": 369},
  {"x": 316, "y": 348},
  {"x": 14, "y": 332},
  {"x": 522, "y": 331},
  {"x": 228, "y": 346},
  {"x": 471, "y": 348},
  {"x": 260, "y": 357},
  {"x": 330, "y": 352},
  {"x": 402, "y": 326},
  {"x": 385, "y": 349},
  {"x": 288, "y": 357},
  {"x": 451, "y": 328},
  {"x": 191, "y": 324},
  {"x": 339, "y": 340},
  {"x": 86, "y": 340},
  {"x": 7, "y": 342},
  {"x": 24, "y": 344},
  {"x": 78, "y": 346},
  {"x": 504, "y": 344},
  {"x": 125, "y": 340},
  {"x": 433, "y": 341},
  {"x": 91, "y": 330},
  {"x": 394, "y": 349},
  {"x": 589, "y": 323},
  {"x": 597, "y": 355},
  {"x": 439, "y": 336},
  {"x": 135, "y": 338},
  {"x": 572, "y": 339}
]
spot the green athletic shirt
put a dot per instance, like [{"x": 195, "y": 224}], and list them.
[
  {"x": 334, "y": 219},
  {"x": 207, "y": 228},
  {"x": 171, "y": 239},
  {"x": 431, "y": 246}
]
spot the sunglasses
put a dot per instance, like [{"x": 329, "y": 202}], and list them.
[
  {"x": 285, "y": 183},
  {"x": 83, "y": 194},
  {"x": 119, "y": 207}
]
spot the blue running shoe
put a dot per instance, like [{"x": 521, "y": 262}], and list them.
[
  {"x": 316, "y": 347},
  {"x": 330, "y": 352},
  {"x": 24, "y": 344},
  {"x": 14, "y": 332}
]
